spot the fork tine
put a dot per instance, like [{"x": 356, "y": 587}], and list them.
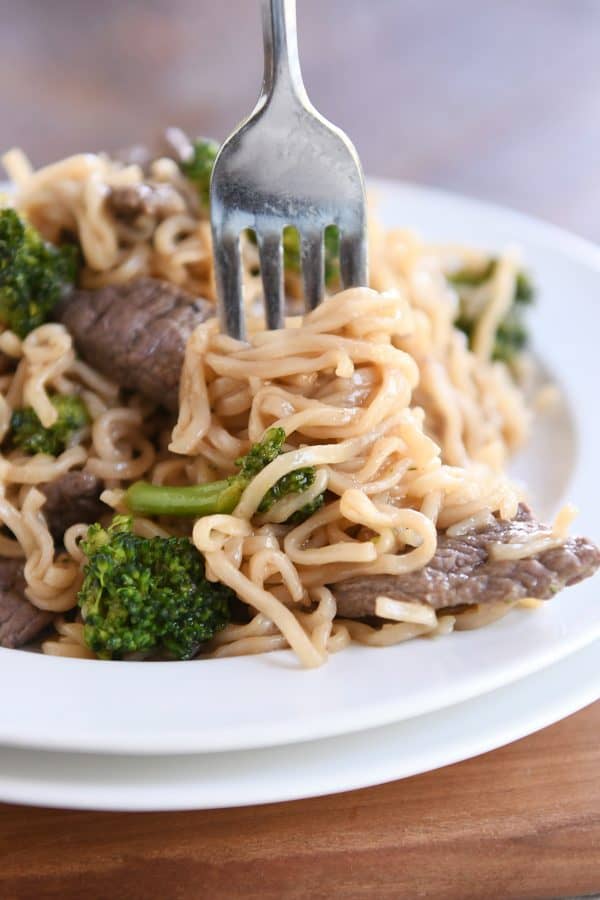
[
  {"x": 228, "y": 277},
  {"x": 312, "y": 267},
  {"x": 270, "y": 250},
  {"x": 353, "y": 259}
]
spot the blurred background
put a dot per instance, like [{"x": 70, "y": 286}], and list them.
[{"x": 496, "y": 98}]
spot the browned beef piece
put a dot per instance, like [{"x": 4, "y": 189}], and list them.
[
  {"x": 71, "y": 498},
  {"x": 7, "y": 363},
  {"x": 462, "y": 572},
  {"x": 135, "y": 333},
  {"x": 20, "y": 620},
  {"x": 127, "y": 202}
]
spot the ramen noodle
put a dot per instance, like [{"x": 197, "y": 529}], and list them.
[{"x": 409, "y": 430}]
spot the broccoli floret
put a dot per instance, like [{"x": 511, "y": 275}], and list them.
[
  {"x": 511, "y": 334},
  {"x": 33, "y": 274},
  {"x": 260, "y": 455},
  {"x": 144, "y": 595},
  {"x": 198, "y": 168},
  {"x": 306, "y": 511},
  {"x": 524, "y": 289},
  {"x": 472, "y": 277},
  {"x": 28, "y": 433},
  {"x": 220, "y": 496},
  {"x": 295, "y": 482}
]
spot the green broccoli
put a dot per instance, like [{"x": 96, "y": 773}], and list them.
[
  {"x": 220, "y": 496},
  {"x": 145, "y": 595},
  {"x": 306, "y": 511},
  {"x": 295, "y": 482},
  {"x": 260, "y": 455},
  {"x": 511, "y": 334},
  {"x": 33, "y": 274},
  {"x": 524, "y": 289},
  {"x": 332, "y": 256},
  {"x": 291, "y": 249},
  {"x": 198, "y": 168},
  {"x": 291, "y": 253},
  {"x": 28, "y": 433}
]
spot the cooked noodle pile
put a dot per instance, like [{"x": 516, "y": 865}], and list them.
[
  {"x": 408, "y": 429},
  {"x": 70, "y": 197}
]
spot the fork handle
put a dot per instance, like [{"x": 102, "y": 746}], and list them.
[{"x": 282, "y": 63}]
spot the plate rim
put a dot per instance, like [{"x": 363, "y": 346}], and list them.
[{"x": 385, "y": 746}]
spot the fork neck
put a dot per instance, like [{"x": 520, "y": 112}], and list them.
[{"x": 282, "y": 63}]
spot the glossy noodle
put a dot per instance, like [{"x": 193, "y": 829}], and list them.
[{"x": 409, "y": 429}]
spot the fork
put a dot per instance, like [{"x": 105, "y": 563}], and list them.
[{"x": 284, "y": 165}]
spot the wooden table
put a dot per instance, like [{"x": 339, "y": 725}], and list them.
[
  {"x": 499, "y": 100},
  {"x": 522, "y": 822}
]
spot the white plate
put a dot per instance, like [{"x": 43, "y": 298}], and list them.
[
  {"x": 230, "y": 704},
  {"x": 328, "y": 766}
]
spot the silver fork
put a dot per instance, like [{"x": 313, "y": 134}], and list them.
[{"x": 284, "y": 165}]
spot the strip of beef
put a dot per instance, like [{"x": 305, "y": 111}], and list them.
[
  {"x": 7, "y": 363},
  {"x": 135, "y": 333},
  {"x": 71, "y": 498},
  {"x": 128, "y": 202},
  {"x": 462, "y": 571},
  {"x": 20, "y": 620}
]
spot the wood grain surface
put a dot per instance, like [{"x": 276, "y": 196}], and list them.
[
  {"x": 522, "y": 822},
  {"x": 499, "y": 100}
]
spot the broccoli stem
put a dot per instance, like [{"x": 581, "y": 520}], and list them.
[
  {"x": 195, "y": 500},
  {"x": 206, "y": 499},
  {"x": 221, "y": 496}
]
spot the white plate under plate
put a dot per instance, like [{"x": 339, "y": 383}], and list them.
[
  {"x": 328, "y": 766},
  {"x": 229, "y": 704}
]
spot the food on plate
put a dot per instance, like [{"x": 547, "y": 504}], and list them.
[
  {"x": 170, "y": 492},
  {"x": 20, "y": 620},
  {"x": 479, "y": 567},
  {"x": 135, "y": 333},
  {"x": 146, "y": 594},
  {"x": 31, "y": 437},
  {"x": 71, "y": 498}
]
